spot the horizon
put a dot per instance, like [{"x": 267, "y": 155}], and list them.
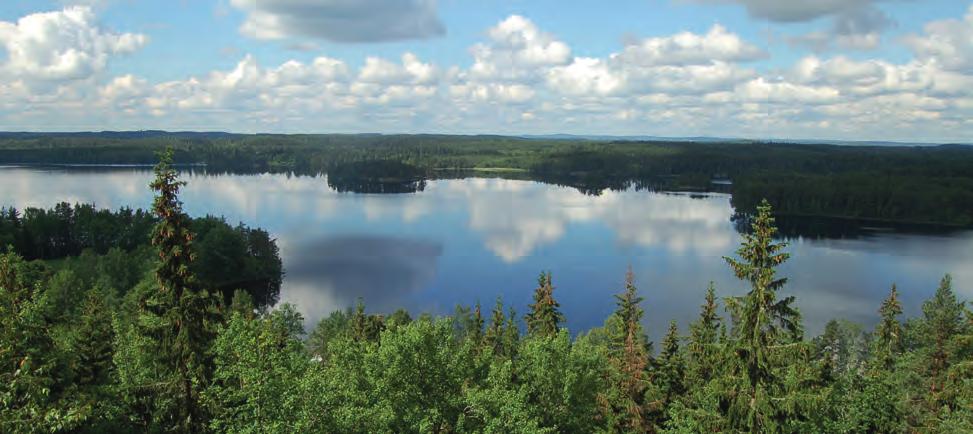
[
  {"x": 528, "y": 136},
  {"x": 864, "y": 70}
]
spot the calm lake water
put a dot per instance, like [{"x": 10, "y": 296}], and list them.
[{"x": 463, "y": 241}]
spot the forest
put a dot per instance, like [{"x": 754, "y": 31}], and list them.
[
  {"x": 914, "y": 184},
  {"x": 131, "y": 321}
]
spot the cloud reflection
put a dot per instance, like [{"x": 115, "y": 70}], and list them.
[{"x": 330, "y": 273}]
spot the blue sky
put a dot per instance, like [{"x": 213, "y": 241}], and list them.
[{"x": 831, "y": 69}]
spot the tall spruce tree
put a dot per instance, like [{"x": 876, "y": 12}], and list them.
[
  {"x": 888, "y": 333},
  {"x": 544, "y": 317},
  {"x": 629, "y": 355},
  {"x": 942, "y": 321},
  {"x": 765, "y": 326},
  {"x": 671, "y": 366},
  {"x": 181, "y": 316},
  {"x": 702, "y": 349}
]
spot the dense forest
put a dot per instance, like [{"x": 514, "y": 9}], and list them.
[
  {"x": 131, "y": 335},
  {"x": 914, "y": 184}
]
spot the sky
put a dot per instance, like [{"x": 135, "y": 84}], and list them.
[{"x": 898, "y": 70}]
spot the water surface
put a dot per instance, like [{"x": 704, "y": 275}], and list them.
[{"x": 470, "y": 240}]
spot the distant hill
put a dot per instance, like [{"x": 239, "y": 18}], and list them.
[
  {"x": 145, "y": 134},
  {"x": 706, "y": 139}
]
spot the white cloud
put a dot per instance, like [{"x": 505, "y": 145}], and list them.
[
  {"x": 948, "y": 43},
  {"x": 62, "y": 45},
  {"x": 522, "y": 79},
  {"x": 340, "y": 20},
  {"x": 690, "y": 49},
  {"x": 516, "y": 49}
]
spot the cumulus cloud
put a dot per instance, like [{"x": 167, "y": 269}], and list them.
[
  {"x": 341, "y": 20},
  {"x": 523, "y": 79},
  {"x": 948, "y": 43},
  {"x": 516, "y": 48},
  {"x": 62, "y": 45},
  {"x": 687, "y": 48}
]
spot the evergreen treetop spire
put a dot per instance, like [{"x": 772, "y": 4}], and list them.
[{"x": 544, "y": 318}]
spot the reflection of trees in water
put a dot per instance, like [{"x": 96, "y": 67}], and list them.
[
  {"x": 791, "y": 226},
  {"x": 381, "y": 176}
]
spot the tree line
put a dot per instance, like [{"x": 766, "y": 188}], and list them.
[
  {"x": 81, "y": 240},
  {"x": 895, "y": 183},
  {"x": 169, "y": 356}
]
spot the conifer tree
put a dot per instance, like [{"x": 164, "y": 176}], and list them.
[
  {"x": 671, "y": 366},
  {"x": 629, "y": 355},
  {"x": 476, "y": 332},
  {"x": 765, "y": 325},
  {"x": 942, "y": 320},
  {"x": 493, "y": 337},
  {"x": 180, "y": 317},
  {"x": 511, "y": 334},
  {"x": 702, "y": 349},
  {"x": 365, "y": 327},
  {"x": 93, "y": 342},
  {"x": 888, "y": 333},
  {"x": 544, "y": 317}
]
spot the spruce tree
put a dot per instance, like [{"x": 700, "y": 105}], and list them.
[
  {"x": 511, "y": 334},
  {"x": 93, "y": 342},
  {"x": 942, "y": 321},
  {"x": 365, "y": 327},
  {"x": 180, "y": 317},
  {"x": 702, "y": 349},
  {"x": 493, "y": 338},
  {"x": 544, "y": 317},
  {"x": 671, "y": 366},
  {"x": 765, "y": 325},
  {"x": 629, "y": 355},
  {"x": 888, "y": 333},
  {"x": 476, "y": 330}
]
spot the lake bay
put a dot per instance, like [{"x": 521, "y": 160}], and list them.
[{"x": 472, "y": 240}]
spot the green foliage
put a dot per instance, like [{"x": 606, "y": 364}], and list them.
[
  {"x": 256, "y": 382},
  {"x": 36, "y": 393},
  {"x": 765, "y": 330},
  {"x": 179, "y": 317},
  {"x": 629, "y": 353},
  {"x": 543, "y": 317},
  {"x": 97, "y": 343}
]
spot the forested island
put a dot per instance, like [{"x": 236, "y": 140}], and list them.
[
  {"x": 897, "y": 184},
  {"x": 153, "y": 321}
]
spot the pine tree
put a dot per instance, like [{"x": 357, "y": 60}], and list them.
[
  {"x": 888, "y": 333},
  {"x": 544, "y": 317},
  {"x": 180, "y": 317},
  {"x": 765, "y": 325}
]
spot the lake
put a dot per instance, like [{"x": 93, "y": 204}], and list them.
[{"x": 468, "y": 240}]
